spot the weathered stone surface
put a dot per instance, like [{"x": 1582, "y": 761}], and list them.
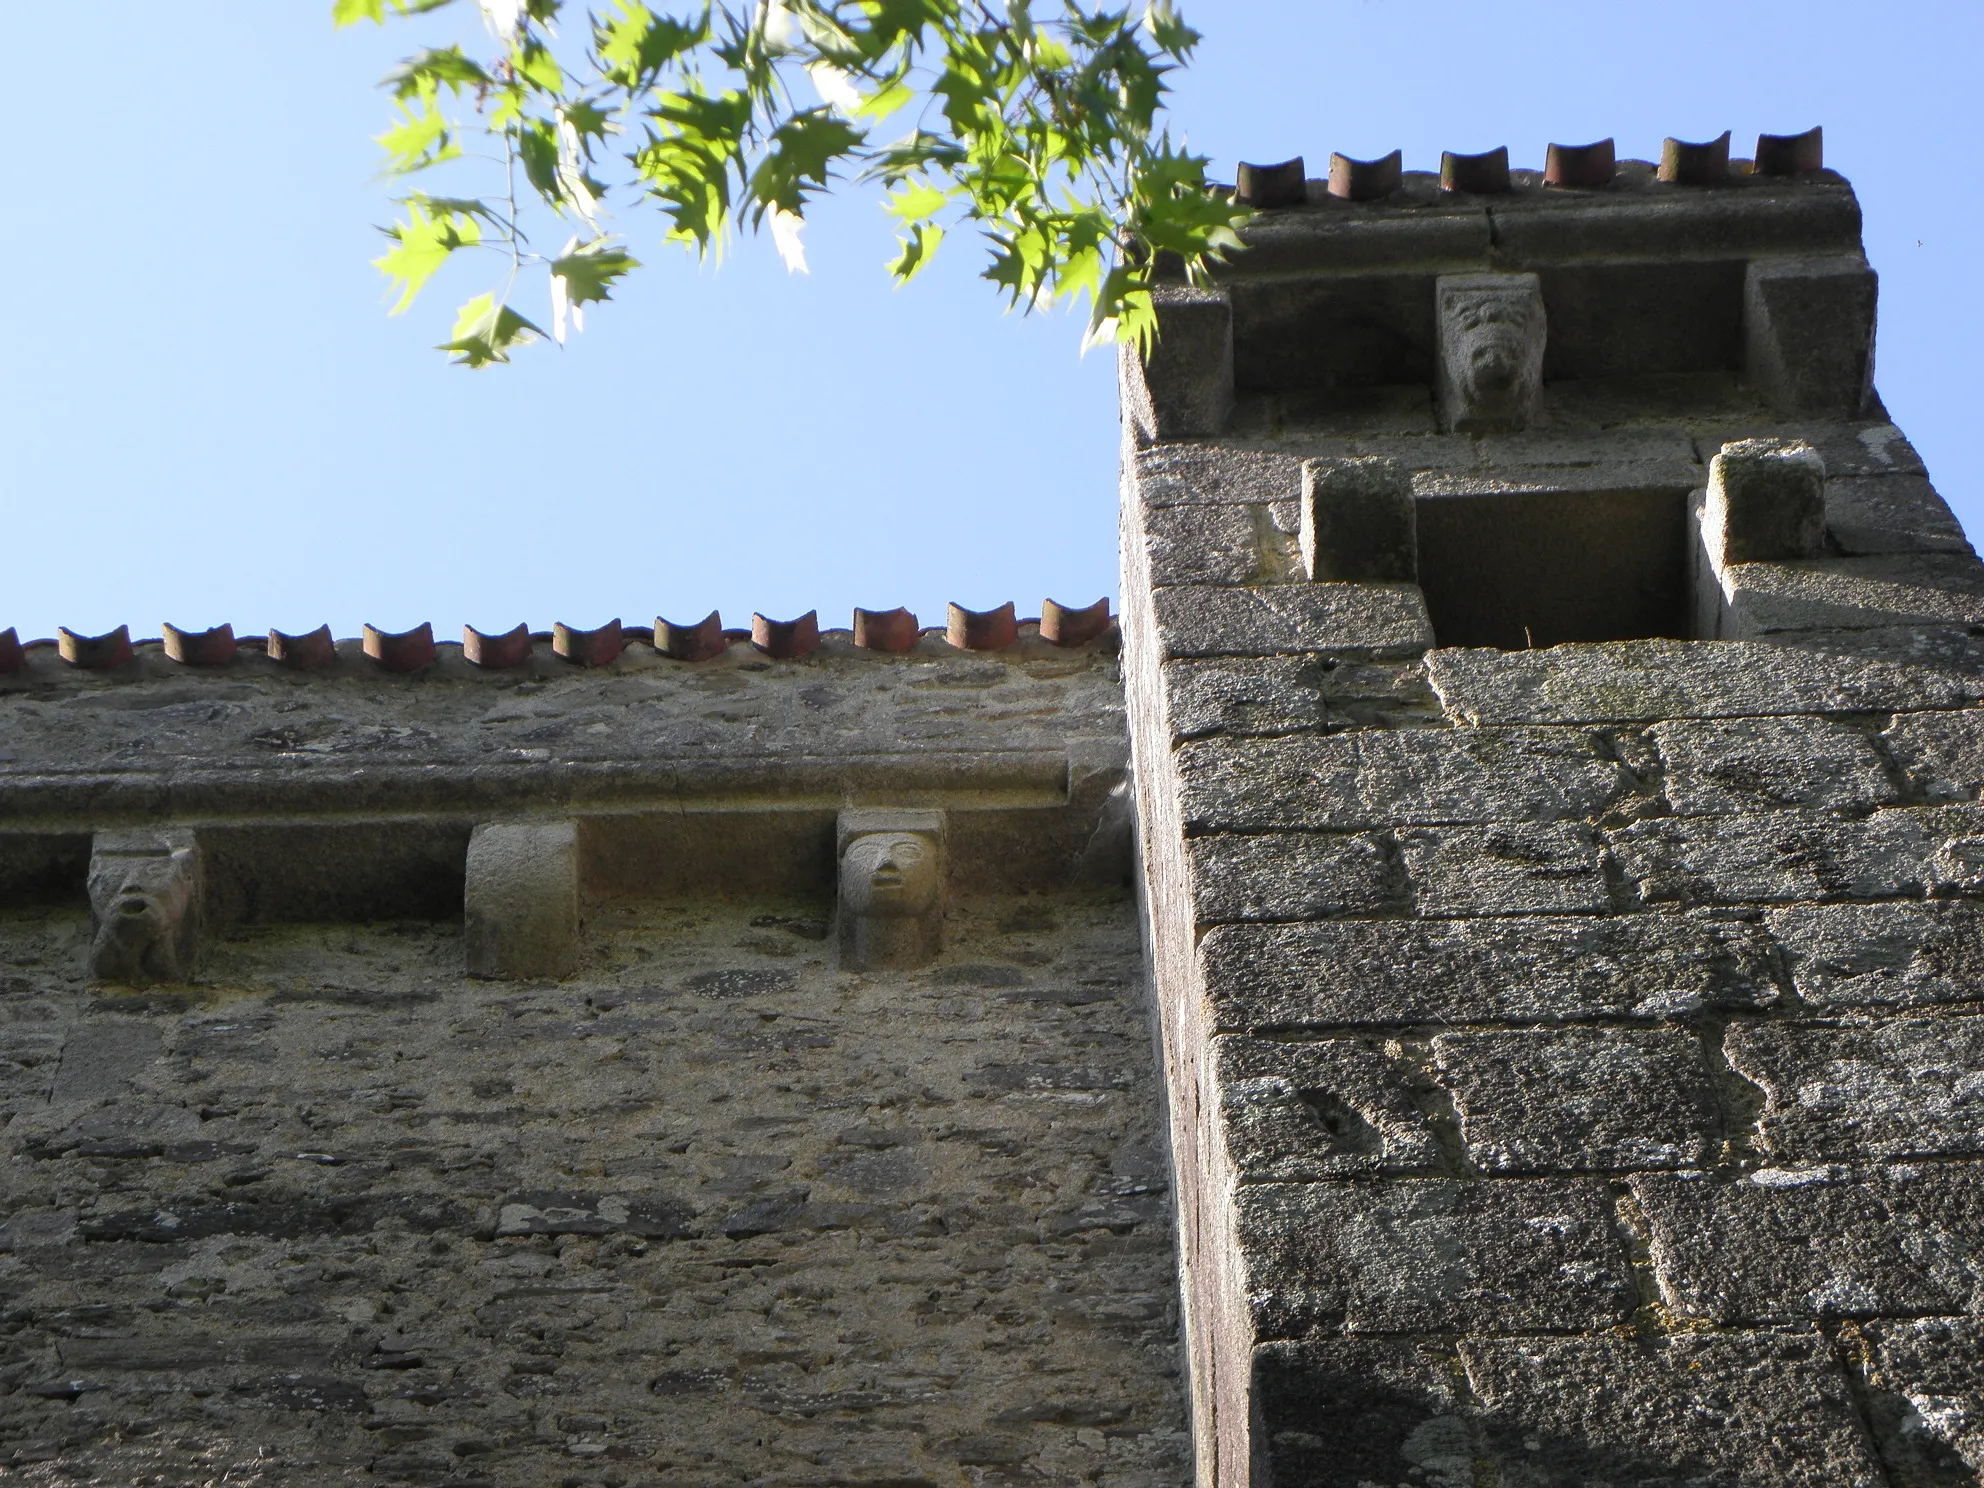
[
  {"x": 1941, "y": 753},
  {"x": 1430, "y": 1255},
  {"x": 1342, "y": 1413},
  {"x": 1544, "y": 970},
  {"x": 1338, "y": 1108},
  {"x": 1357, "y": 524},
  {"x": 1703, "y": 1411},
  {"x": 1492, "y": 331},
  {"x": 1888, "y": 589},
  {"x": 1789, "y": 1243},
  {"x": 1171, "y": 475},
  {"x": 1349, "y": 620},
  {"x": 1891, "y": 514},
  {"x": 522, "y": 913},
  {"x": 1505, "y": 870},
  {"x": 1766, "y": 502},
  {"x": 1925, "y": 1389},
  {"x": 1579, "y": 1099},
  {"x": 1883, "y": 955},
  {"x": 1863, "y": 446},
  {"x": 1777, "y": 857},
  {"x": 1212, "y": 544},
  {"x": 1643, "y": 681},
  {"x": 1808, "y": 332},
  {"x": 1910, "y": 1088},
  {"x": 1373, "y": 778},
  {"x": 1718, "y": 767},
  {"x": 1185, "y": 389},
  {"x": 433, "y": 1230},
  {"x": 1294, "y": 694},
  {"x": 1290, "y": 876},
  {"x": 147, "y": 893}
]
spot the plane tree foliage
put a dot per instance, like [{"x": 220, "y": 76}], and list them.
[{"x": 1043, "y": 132}]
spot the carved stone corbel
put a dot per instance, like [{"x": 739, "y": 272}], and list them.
[
  {"x": 1492, "y": 331},
  {"x": 891, "y": 888},
  {"x": 146, "y": 901}
]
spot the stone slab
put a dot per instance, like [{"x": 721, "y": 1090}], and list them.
[
  {"x": 1942, "y": 754},
  {"x": 1696, "y": 1411},
  {"x": 1208, "y": 544},
  {"x": 1891, "y": 514},
  {"x": 1373, "y": 778},
  {"x": 1269, "y": 695},
  {"x": 1716, "y": 767},
  {"x": 1337, "y": 1108},
  {"x": 1913, "y": 1087},
  {"x": 1511, "y": 869},
  {"x": 1213, "y": 473},
  {"x": 1645, "y": 681},
  {"x": 1343, "y": 1413},
  {"x": 1290, "y": 876},
  {"x": 1379, "y": 621},
  {"x": 1852, "y": 593},
  {"x": 1579, "y": 1100},
  {"x": 1428, "y": 1256},
  {"x": 1775, "y": 857},
  {"x": 1543, "y": 970},
  {"x": 1786, "y": 1244},
  {"x": 1883, "y": 955},
  {"x": 1925, "y": 1395},
  {"x": 1850, "y": 447}
]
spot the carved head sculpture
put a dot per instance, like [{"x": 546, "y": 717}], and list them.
[
  {"x": 891, "y": 888},
  {"x": 1492, "y": 332},
  {"x": 889, "y": 875},
  {"x": 144, "y": 893}
]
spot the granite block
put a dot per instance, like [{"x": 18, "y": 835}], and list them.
[
  {"x": 1509, "y": 869},
  {"x": 1290, "y": 876},
  {"x": 1717, "y": 767},
  {"x": 1335, "y": 1108},
  {"x": 1883, "y": 955},
  {"x": 1775, "y": 857}
]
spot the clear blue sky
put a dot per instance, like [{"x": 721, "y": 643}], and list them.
[{"x": 207, "y": 416}]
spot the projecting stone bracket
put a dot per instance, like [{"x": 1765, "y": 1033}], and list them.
[
  {"x": 522, "y": 900},
  {"x": 1359, "y": 525},
  {"x": 1492, "y": 331},
  {"x": 146, "y": 901},
  {"x": 891, "y": 888},
  {"x": 1185, "y": 389},
  {"x": 1808, "y": 333}
]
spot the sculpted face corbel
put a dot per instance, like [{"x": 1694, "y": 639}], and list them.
[
  {"x": 1492, "y": 334},
  {"x": 891, "y": 888},
  {"x": 145, "y": 893}
]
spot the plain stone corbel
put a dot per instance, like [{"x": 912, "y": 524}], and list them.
[
  {"x": 1765, "y": 503},
  {"x": 1492, "y": 331},
  {"x": 1808, "y": 333},
  {"x": 146, "y": 899},
  {"x": 1184, "y": 390},
  {"x": 1358, "y": 522},
  {"x": 891, "y": 888},
  {"x": 521, "y": 904}
]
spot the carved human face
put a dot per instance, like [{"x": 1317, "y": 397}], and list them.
[
  {"x": 1495, "y": 329},
  {"x": 141, "y": 899},
  {"x": 889, "y": 874}
]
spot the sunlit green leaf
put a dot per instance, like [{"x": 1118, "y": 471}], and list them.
[{"x": 485, "y": 331}]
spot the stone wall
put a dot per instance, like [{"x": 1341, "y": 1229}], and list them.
[
  {"x": 1573, "y": 1042},
  {"x": 710, "y": 1210}
]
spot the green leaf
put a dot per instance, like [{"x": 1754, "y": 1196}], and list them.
[
  {"x": 421, "y": 138},
  {"x": 590, "y": 270},
  {"x": 351, "y": 12},
  {"x": 636, "y": 45},
  {"x": 438, "y": 67},
  {"x": 803, "y": 152},
  {"x": 917, "y": 202},
  {"x": 434, "y": 229},
  {"x": 918, "y": 246},
  {"x": 485, "y": 331}
]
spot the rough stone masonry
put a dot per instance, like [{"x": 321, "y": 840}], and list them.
[
  {"x": 1554, "y": 687},
  {"x": 455, "y": 1077}
]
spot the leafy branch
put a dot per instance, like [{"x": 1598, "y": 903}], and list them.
[{"x": 1043, "y": 135}]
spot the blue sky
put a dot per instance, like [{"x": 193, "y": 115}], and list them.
[{"x": 206, "y": 415}]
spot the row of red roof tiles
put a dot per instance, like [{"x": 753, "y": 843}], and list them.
[
  {"x": 407, "y": 651},
  {"x": 1682, "y": 163}
]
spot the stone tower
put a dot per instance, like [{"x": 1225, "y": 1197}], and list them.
[{"x": 1553, "y": 691}]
